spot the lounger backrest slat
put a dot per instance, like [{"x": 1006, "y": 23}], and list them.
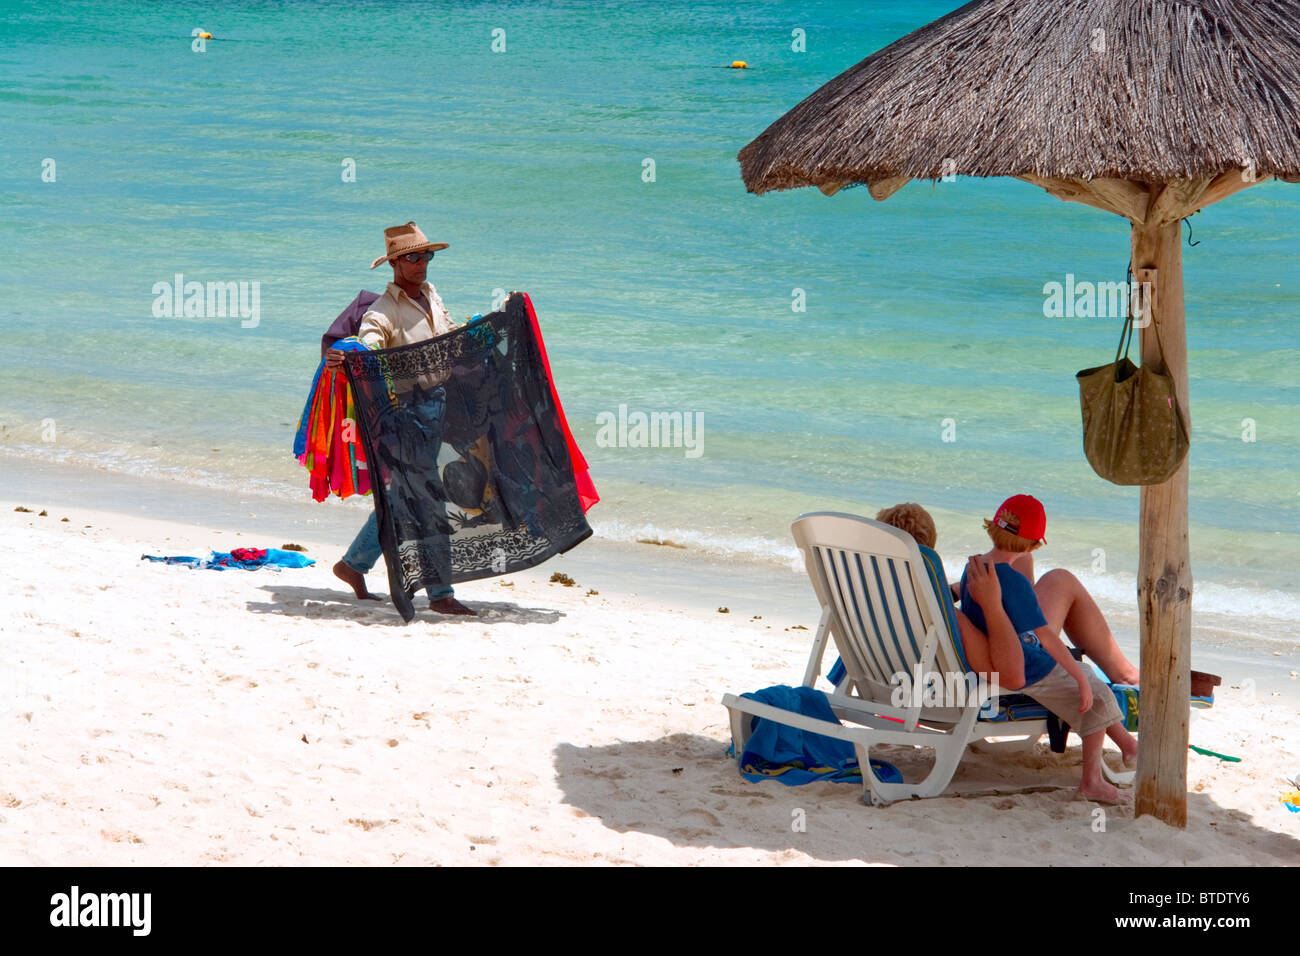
[
  {"x": 886, "y": 638},
  {"x": 848, "y": 622},
  {"x": 867, "y": 610},
  {"x": 945, "y": 658},
  {"x": 871, "y": 609},
  {"x": 872, "y": 578},
  {"x": 901, "y": 596}
]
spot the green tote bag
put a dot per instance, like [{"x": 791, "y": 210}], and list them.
[{"x": 1133, "y": 429}]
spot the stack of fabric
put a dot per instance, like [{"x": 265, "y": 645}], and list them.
[{"x": 327, "y": 442}]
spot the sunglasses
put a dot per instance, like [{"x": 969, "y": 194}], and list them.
[{"x": 418, "y": 256}]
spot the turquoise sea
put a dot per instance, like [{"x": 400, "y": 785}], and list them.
[{"x": 921, "y": 366}]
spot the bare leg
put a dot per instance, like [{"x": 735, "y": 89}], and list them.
[
  {"x": 1127, "y": 743},
  {"x": 1069, "y": 608},
  {"x": 1094, "y": 786}
]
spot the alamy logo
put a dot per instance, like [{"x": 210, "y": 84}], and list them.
[
  {"x": 933, "y": 689},
  {"x": 102, "y": 909},
  {"x": 212, "y": 300},
  {"x": 651, "y": 430},
  {"x": 1087, "y": 300}
]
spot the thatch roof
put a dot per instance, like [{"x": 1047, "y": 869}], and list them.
[{"x": 1149, "y": 91}]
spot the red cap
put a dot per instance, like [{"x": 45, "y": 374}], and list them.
[{"x": 1023, "y": 515}]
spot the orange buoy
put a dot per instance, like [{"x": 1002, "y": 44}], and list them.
[{"x": 739, "y": 65}]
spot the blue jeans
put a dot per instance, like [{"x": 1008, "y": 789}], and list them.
[{"x": 365, "y": 551}]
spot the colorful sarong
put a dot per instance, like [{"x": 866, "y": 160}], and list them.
[{"x": 326, "y": 440}]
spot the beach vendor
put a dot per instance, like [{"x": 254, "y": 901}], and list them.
[{"x": 408, "y": 311}]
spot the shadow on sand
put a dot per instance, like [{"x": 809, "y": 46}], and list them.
[
  {"x": 335, "y": 605},
  {"x": 684, "y": 789}
]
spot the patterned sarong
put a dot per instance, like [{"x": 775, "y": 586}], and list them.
[{"x": 472, "y": 465}]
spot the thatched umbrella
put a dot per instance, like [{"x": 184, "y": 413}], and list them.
[{"x": 1148, "y": 109}]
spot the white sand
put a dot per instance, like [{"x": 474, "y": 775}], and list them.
[{"x": 158, "y": 715}]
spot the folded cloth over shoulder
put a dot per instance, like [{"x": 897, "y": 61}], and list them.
[
  {"x": 349, "y": 321},
  {"x": 794, "y": 756}
]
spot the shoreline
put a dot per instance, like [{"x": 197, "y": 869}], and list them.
[
  {"x": 662, "y": 575},
  {"x": 665, "y": 574},
  {"x": 1240, "y": 577}
]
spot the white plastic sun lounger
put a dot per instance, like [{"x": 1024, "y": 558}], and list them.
[{"x": 883, "y": 607}]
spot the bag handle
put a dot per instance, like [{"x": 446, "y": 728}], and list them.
[
  {"x": 1126, "y": 334},
  {"x": 1128, "y": 323}
]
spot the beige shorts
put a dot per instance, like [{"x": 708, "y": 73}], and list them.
[{"x": 1059, "y": 693}]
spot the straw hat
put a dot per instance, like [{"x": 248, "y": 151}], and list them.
[{"x": 403, "y": 239}]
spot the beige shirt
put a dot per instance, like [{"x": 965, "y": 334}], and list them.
[{"x": 396, "y": 319}]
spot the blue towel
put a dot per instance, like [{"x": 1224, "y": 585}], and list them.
[
  {"x": 796, "y": 756},
  {"x": 221, "y": 560}
]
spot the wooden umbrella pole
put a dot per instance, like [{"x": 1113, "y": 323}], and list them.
[{"x": 1164, "y": 571}]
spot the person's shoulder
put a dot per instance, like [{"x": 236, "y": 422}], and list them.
[
  {"x": 385, "y": 303},
  {"x": 1009, "y": 577},
  {"x": 1019, "y": 599}
]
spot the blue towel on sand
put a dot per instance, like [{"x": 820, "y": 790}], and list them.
[
  {"x": 795, "y": 756},
  {"x": 220, "y": 560}
]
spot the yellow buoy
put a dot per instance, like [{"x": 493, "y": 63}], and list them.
[
  {"x": 739, "y": 65},
  {"x": 205, "y": 36}
]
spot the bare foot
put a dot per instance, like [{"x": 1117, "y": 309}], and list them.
[
  {"x": 449, "y": 605},
  {"x": 355, "y": 580},
  {"x": 1103, "y": 792},
  {"x": 1130, "y": 753}
]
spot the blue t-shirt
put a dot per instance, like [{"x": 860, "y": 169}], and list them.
[{"x": 1021, "y": 605}]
